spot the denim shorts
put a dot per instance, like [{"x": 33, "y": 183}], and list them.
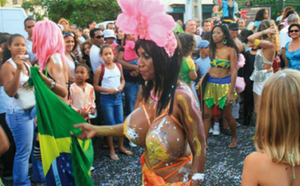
[{"x": 112, "y": 108}]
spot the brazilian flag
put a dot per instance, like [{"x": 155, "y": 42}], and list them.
[{"x": 66, "y": 160}]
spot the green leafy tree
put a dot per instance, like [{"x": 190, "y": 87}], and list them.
[
  {"x": 36, "y": 8},
  {"x": 75, "y": 11},
  {"x": 3, "y": 3}
]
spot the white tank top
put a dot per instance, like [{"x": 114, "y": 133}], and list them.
[
  {"x": 111, "y": 78},
  {"x": 13, "y": 102},
  {"x": 71, "y": 66},
  {"x": 4, "y": 99}
]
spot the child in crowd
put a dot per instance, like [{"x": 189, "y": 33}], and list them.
[
  {"x": 188, "y": 70},
  {"x": 82, "y": 95},
  {"x": 203, "y": 62},
  {"x": 276, "y": 140},
  {"x": 109, "y": 37},
  {"x": 129, "y": 51},
  {"x": 112, "y": 84}
]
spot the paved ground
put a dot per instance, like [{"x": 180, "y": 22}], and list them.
[{"x": 223, "y": 166}]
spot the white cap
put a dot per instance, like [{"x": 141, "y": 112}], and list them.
[{"x": 109, "y": 33}]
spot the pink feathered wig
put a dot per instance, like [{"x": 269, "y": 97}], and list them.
[{"x": 47, "y": 39}]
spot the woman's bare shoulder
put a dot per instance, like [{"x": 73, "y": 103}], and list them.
[
  {"x": 256, "y": 157},
  {"x": 55, "y": 59},
  {"x": 183, "y": 89}
]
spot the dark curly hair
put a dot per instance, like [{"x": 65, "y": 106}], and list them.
[
  {"x": 230, "y": 42},
  {"x": 188, "y": 43}
]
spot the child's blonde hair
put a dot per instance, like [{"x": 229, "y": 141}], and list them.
[{"x": 278, "y": 121}]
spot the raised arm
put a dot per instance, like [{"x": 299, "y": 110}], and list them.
[
  {"x": 193, "y": 126},
  {"x": 255, "y": 38},
  {"x": 11, "y": 77},
  {"x": 90, "y": 131},
  {"x": 220, "y": 5}
]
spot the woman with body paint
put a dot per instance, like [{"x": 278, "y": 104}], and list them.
[
  {"x": 166, "y": 119},
  {"x": 221, "y": 77},
  {"x": 277, "y": 138}
]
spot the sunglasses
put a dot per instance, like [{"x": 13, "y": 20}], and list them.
[
  {"x": 99, "y": 36},
  {"x": 68, "y": 34},
  {"x": 292, "y": 31},
  {"x": 30, "y": 26}
]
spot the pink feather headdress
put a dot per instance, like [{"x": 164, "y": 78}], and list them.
[{"x": 146, "y": 19}]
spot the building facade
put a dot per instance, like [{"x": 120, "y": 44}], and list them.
[{"x": 189, "y": 9}]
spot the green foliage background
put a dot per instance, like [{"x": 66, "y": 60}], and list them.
[{"x": 77, "y": 12}]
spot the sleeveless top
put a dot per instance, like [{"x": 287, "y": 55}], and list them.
[
  {"x": 293, "y": 57},
  {"x": 220, "y": 63},
  {"x": 71, "y": 65},
  {"x": 111, "y": 78},
  {"x": 13, "y": 102},
  {"x": 258, "y": 74}
]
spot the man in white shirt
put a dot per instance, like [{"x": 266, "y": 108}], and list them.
[
  {"x": 284, "y": 37},
  {"x": 97, "y": 38},
  {"x": 29, "y": 23}
]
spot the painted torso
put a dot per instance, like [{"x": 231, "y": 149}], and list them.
[{"x": 162, "y": 136}]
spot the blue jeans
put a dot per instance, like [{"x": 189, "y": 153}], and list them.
[
  {"x": 112, "y": 108},
  {"x": 21, "y": 125},
  {"x": 37, "y": 167},
  {"x": 131, "y": 91}
]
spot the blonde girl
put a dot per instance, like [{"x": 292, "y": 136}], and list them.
[{"x": 277, "y": 137}]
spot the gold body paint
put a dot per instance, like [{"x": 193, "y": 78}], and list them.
[
  {"x": 194, "y": 125},
  {"x": 156, "y": 149}
]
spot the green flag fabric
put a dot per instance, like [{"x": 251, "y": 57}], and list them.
[{"x": 66, "y": 160}]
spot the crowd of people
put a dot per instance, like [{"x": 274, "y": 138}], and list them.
[{"x": 165, "y": 85}]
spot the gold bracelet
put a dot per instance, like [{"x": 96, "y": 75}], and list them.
[{"x": 256, "y": 42}]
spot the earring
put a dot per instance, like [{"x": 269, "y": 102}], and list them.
[{"x": 224, "y": 41}]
